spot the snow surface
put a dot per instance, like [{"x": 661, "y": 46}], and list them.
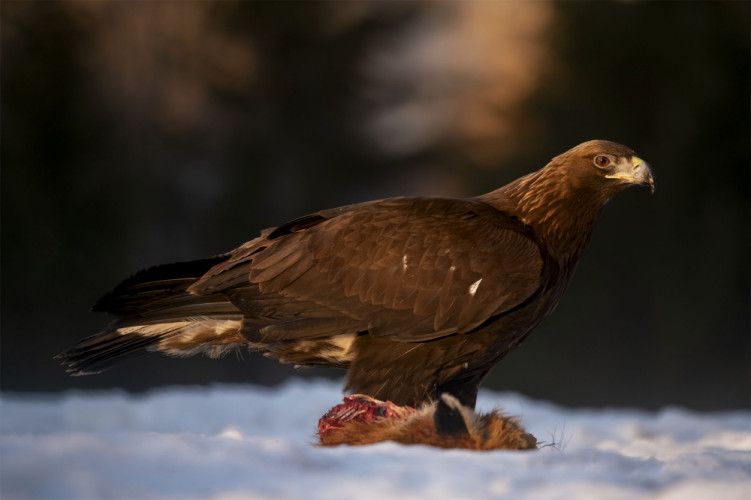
[{"x": 245, "y": 442}]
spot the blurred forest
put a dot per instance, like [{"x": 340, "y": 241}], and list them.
[{"x": 138, "y": 133}]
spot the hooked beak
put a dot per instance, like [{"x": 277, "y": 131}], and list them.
[{"x": 637, "y": 172}]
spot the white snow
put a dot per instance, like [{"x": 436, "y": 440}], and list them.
[{"x": 245, "y": 442}]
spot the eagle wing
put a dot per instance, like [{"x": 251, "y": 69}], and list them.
[{"x": 403, "y": 269}]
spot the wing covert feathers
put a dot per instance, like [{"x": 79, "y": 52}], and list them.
[{"x": 402, "y": 269}]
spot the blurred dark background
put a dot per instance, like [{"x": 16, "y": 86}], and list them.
[{"x": 137, "y": 133}]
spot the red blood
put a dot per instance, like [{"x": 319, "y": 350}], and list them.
[{"x": 361, "y": 408}]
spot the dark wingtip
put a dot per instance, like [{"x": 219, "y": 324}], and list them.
[{"x": 153, "y": 280}]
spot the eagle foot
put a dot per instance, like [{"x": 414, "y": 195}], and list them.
[{"x": 361, "y": 419}]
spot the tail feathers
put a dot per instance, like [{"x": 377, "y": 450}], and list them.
[
  {"x": 99, "y": 352},
  {"x": 156, "y": 313},
  {"x": 186, "y": 337}
]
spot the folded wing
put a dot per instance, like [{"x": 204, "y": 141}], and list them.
[{"x": 402, "y": 269}]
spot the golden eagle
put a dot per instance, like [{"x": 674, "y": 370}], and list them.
[{"x": 414, "y": 297}]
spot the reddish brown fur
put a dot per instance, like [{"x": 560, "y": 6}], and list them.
[{"x": 492, "y": 431}]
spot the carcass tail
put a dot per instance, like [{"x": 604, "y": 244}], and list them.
[{"x": 155, "y": 313}]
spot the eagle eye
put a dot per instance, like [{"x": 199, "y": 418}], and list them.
[{"x": 602, "y": 161}]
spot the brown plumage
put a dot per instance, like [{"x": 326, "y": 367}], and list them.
[{"x": 413, "y": 296}]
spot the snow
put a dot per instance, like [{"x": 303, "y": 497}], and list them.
[{"x": 245, "y": 442}]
